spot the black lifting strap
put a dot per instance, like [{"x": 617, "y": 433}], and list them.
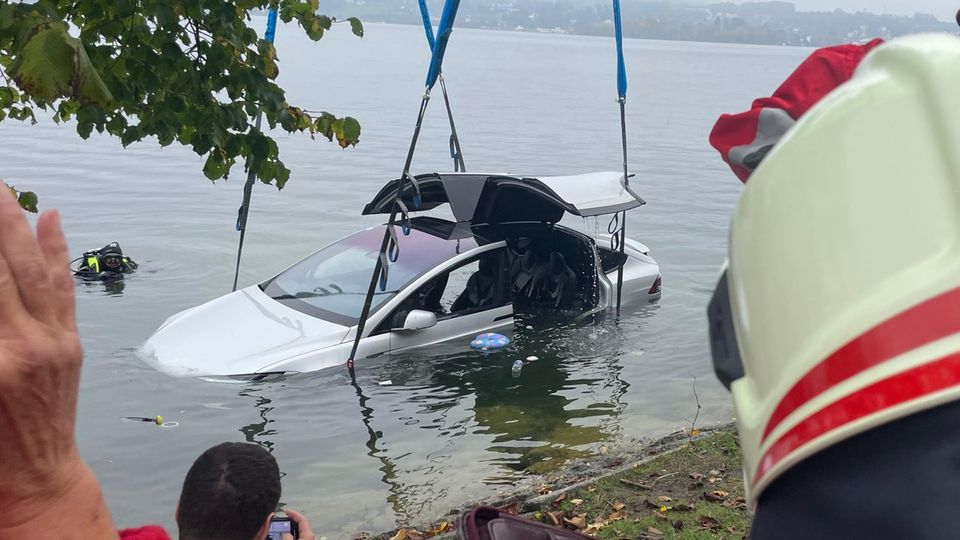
[
  {"x": 455, "y": 151},
  {"x": 379, "y": 267},
  {"x": 244, "y": 210}
]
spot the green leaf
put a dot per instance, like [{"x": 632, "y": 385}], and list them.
[
  {"x": 351, "y": 132},
  {"x": 45, "y": 65},
  {"x": 166, "y": 137},
  {"x": 268, "y": 172},
  {"x": 215, "y": 167},
  {"x": 356, "y": 26},
  {"x": 7, "y": 16},
  {"x": 259, "y": 146},
  {"x": 84, "y": 129},
  {"x": 52, "y": 64},
  {"x": 130, "y": 135},
  {"x": 283, "y": 174},
  {"x": 324, "y": 125},
  {"x": 270, "y": 62},
  {"x": 314, "y": 29},
  {"x": 28, "y": 201}
]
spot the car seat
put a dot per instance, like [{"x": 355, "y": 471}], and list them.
[
  {"x": 559, "y": 282},
  {"x": 481, "y": 287}
]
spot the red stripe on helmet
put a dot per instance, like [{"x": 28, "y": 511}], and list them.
[
  {"x": 928, "y": 321},
  {"x": 900, "y": 388}
]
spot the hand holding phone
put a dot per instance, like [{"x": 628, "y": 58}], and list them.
[{"x": 283, "y": 525}]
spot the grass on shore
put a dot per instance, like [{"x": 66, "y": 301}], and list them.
[{"x": 695, "y": 492}]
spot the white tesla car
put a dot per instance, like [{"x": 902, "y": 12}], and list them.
[{"x": 503, "y": 252}]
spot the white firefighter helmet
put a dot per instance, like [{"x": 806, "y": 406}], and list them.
[{"x": 839, "y": 309}]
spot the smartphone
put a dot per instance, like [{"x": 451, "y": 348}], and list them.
[{"x": 281, "y": 525}]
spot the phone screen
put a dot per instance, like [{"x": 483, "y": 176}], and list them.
[{"x": 279, "y": 526}]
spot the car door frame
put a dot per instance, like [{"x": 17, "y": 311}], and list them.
[{"x": 455, "y": 325}]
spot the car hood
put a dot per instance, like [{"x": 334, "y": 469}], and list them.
[{"x": 243, "y": 332}]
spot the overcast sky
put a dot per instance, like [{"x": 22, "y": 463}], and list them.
[{"x": 942, "y": 9}]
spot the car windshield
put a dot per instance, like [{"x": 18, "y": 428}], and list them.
[{"x": 332, "y": 283}]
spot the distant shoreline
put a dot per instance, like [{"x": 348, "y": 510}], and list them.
[{"x": 751, "y": 23}]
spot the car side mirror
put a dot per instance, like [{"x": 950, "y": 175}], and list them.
[{"x": 419, "y": 319}]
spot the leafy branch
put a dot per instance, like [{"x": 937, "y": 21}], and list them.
[{"x": 183, "y": 71}]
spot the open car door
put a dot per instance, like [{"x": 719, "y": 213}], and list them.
[{"x": 483, "y": 199}]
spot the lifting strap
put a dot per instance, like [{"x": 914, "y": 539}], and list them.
[
  {"x": 618, "y": 225},
  {"x": 389, "y": 250},
  {"x": 455, "y": 152},
  {"x": 244, "y": 210}
]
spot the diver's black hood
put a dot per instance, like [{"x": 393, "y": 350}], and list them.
[{"x": 112, "y": 248}]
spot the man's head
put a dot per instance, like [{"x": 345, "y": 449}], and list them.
[
  {"x": 112, "y": 256},
  {"x": 229, "y": 493}
]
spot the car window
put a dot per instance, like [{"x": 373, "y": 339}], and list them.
[
  {"x": 457, "y": 286},
  {"x": 332, "y": 283},
  {"x": 475, "y": 285}
]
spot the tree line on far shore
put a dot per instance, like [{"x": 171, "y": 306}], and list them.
[{"x": 765, "y": 23}]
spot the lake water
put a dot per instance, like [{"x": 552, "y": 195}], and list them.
[{"x": 454, "y": 425}]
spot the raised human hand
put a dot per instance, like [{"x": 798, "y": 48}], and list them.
[{"x": 40, "y": 357}]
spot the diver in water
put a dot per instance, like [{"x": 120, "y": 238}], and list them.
[{"x": 106, "y": 263}]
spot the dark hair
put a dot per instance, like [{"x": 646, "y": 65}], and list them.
[{"x": 228, "y": 493}]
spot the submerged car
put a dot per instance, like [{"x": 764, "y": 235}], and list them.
[{"x": 502, "y": 252}]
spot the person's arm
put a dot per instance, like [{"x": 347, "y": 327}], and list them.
[{"x": 46, "y": 490}]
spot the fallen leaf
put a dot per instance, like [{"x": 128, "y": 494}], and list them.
[
  {"x": 715, "y": 495},
  {"x": 596, "y": 526},
  {"x": 544, "y": 489},
  {"x": 556, "y": 518},
  {"x": 439, "y": 528},
  {"x": 619, "y": 506},
  {"x": 560, "y": 499},
  {"x": 708, "y": 522},
  {"x": 578, "y": 522},
  {"x": 615, "y": 516},
  {"x": 714, "y": 479},
  {"x": 696, "y": 476},
  {"x": 401, "y": 535},
  {"x": 714, "y": 472},
  {"x": 694, "y": 432},
  {"x": 576, "y": 502},
  {"x": 654, "y": 531},
  {"x": 732, "y": 530},
  {"x": 664, "y": 498},
  {"x": 591, "y": 489},
  {"x": 738, "y": 504}
]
